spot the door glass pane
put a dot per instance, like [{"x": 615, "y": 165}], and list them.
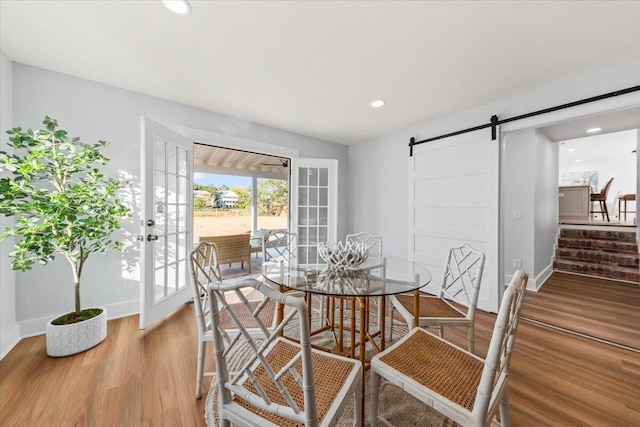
[
  {"x": 182, "y": 218},
  {"x": 182, "y": 162},
  {"x": 303, "y": 196},
  {"x": 323, "y": 216},
  {"x": 302, "y": 216},
  {"x": 172, "y": 219},
  {"x": 171, "y": 159},
  {"x": 158, "y": 289},
  {"x": 302, "y": 235},
  {"x": 159, "y": 161},
  {"x": 172, "y": 248},
  {"x": 160, "y": 187},
  {"x": 323, "y": 196},
  {"x": 303, "y": 176},
  {"x": 313, "y": 255},
  {"x": 302, "y": 254},
  {"x": 172, "y": 182},
  {"x": 322, "y": 234},
  {"x": 313, "y": 197},
  {"x": 313, "y": 236},
  {"x": 172, "y": 278},
  {"x": 182, "y": 274},
  {"x": 324, "y": 177},
  {"x": 182, "y": 189},
  {"x": 313, "y": 216},
  {"x": 313, "y": 177}
]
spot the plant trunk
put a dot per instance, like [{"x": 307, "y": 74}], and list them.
[{"x": 76, "y": 287}]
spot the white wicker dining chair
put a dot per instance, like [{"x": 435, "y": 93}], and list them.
[
  {"x": 455, "y": 382},
  {"x": 279, "y": 245},
  {"x": 205, "y": 270},
  {"x": 283, "y": 382},
  {"x": 455, "y": 304}
]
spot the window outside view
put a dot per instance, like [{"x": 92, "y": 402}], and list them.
[{"x": 222, "y": 204}]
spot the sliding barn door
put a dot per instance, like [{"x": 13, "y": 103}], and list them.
[{"x": 454, "y": 200}]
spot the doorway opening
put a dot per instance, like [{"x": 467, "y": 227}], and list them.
[{"x": 238, "y": 197}]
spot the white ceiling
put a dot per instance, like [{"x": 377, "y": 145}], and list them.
[{"x": 313, "y": 67}]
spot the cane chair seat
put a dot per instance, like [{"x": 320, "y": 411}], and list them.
[
  {"x": 463, "y": 387},
  {"x": 327, "y": 386},
  {"x": 428, "y": 360},
  {"x": 431, "y": 306}
]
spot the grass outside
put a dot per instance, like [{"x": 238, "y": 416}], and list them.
[{"x": 232, "y": 224}]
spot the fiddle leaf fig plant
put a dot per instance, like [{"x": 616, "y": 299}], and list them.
[{"x": 62, "y": 203}]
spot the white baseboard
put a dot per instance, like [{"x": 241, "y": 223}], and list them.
[
  {"x": 9, "y": 339},
  {"x": 536, "y": 283},
  {"x": 543, "y": 276},
  {"x": 33, "y": 327}
]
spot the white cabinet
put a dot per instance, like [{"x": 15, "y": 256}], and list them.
[{"x": 573, "y": 202}]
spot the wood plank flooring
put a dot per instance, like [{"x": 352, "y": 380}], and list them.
[
  {"x": 146, "y": 378},
  {"x": 577, "y": 303}
]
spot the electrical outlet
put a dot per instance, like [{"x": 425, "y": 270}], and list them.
[
  {"x": 517, "y": 214},
  {"x": 127, "y": 283},
  {"x": 517, "y": 263}
]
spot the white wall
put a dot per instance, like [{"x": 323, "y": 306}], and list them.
[
  {"x": 95, "y": 111},
  {"x": 545, "y": 202},
  {"x": 9, "y": 333},
  {"x": 378, "y": 169},
  {"x": 517, "y": 193}
]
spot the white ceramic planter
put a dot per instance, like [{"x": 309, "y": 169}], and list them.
[{"x": 65, "y": 340}]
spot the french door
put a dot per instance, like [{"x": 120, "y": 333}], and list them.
[
  {"x": 314, "y": 201},
  {"x": 454, "y": 199},
  {"x": 165, "y": 226}
]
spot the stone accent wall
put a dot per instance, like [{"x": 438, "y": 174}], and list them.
[{"x": 609, "y": 254}]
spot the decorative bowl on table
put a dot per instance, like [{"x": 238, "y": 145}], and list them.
[{"x": 341, "y": 255}]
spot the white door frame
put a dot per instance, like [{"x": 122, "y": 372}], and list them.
[
  {"x": 164, "y": 249},
  {"x": 621, "y": 102}
]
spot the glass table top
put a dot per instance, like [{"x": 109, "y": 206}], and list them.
[{"x": 375, "y": 277}]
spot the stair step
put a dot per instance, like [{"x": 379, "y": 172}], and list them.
[
  {"x": 617, "y": 236},
  {"x": 600, "y": 270},
  {"x": 596, "y": 244},
  {"x": 598, "y": 256}
]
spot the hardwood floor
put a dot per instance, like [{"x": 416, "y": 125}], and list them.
[
  {"x": 146, "y": 378},
  {"x": 577, "y": 303}
]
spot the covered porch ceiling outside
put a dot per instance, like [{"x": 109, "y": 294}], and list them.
[{"x": 211, "y": 159}]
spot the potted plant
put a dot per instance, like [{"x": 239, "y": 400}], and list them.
[{"x": 63, "y": 205}]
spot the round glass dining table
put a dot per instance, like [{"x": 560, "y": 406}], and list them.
[{"x": 376, "y": 277}]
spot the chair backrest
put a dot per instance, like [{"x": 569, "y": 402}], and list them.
[
  {"x": 494, "y": 374},
  {"x": 279, "y": 245},
  {"x": 373, "y": 242},
  {"x": 205, "y": 270},
  {"x": 605, "y": 189},
  {"x": 462, "y": 277},
  {"x": 264, "y": 381}
]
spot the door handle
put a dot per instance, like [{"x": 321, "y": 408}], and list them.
[{"x": 152, "y": 237}]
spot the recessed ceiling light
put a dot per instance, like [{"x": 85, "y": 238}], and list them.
[
  {"x": 577, "y": 160},
  {"x": 378, "y": 103},
  {"x": 179, "y": 7},
  {"x": 592, "y": 130},
  {"x": 571, "y": 149}
]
